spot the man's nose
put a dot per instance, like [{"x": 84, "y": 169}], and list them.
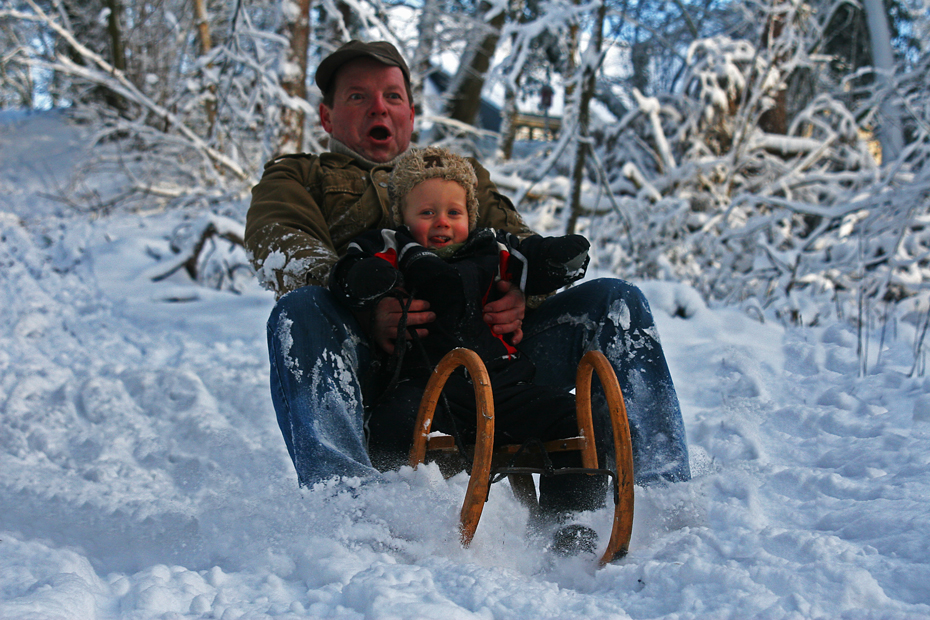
[{"x": 377, "y": 106}]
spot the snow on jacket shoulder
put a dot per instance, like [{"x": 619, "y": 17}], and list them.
[{"x": 306, "y": 210}]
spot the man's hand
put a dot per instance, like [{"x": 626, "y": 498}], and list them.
[
  {"x": 505, "y": 316},
  {"x": 387, "y": 317}
]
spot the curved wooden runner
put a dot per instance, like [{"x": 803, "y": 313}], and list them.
[
  {"x": 622, "y": 528},
  {"x": 477, "y": 492}
]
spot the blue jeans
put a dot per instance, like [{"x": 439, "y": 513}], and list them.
[{"x": 321, "y": 368}]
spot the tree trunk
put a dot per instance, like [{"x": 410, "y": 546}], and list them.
[
  {"x": 775, "y": 119},
  {"x": 464, "y": 97},
  {"x": 422, "y": 65},
  {"x": 589, "y": 67},
  {"x": 294, "y": 74},
  {"x": 512, "y": 80},
  {"x": 203, "y": 27},
  {"x": 117, "y": 53},
  {"x": 639, "y": 54},
  {"x": 889, "y": 130},
  {"x": 639, "y": 59},
  {"x": 508, "y": 124},
  {"x": 206, "y": 44},
  {"x": 115, "y": 30}
]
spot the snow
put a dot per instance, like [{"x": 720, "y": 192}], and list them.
[{"x": 143, "y": 474}]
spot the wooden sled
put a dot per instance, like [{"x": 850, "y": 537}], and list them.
[{"x": 486, "y": 456}]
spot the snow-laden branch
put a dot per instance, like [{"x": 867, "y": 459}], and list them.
[
  {"x": 650, "y": 107},
  {"x": 116, "y": 80},
  {"x": 741, "y": 213}
]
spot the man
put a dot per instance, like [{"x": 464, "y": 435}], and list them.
[{"x": 307, "y": 208}]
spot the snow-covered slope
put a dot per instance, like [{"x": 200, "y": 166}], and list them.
[{"x": 142, "y": 474}]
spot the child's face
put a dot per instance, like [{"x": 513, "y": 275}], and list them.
[{"x": 436, "y": 214}]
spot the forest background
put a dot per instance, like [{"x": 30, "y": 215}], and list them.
[{"x": 773, "y": 155}]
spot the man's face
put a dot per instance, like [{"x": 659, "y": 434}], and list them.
[
  {"x": 435, "y": 211},
  {"x": 371, "y": 113}
]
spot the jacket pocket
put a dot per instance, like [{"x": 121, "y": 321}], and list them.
[
  {"x": 345, "y": 205},
  {"x": 341, "y": 194},
  {"x": 343, "y": 182}
]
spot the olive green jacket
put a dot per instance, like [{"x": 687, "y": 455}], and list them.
[{"x": 307, "y": 208}]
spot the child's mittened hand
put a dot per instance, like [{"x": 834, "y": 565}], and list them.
[
  {"x": 412, "y": 253},
  {"x": 478, "y": 240},
  {"x": 566, "y": 250},
  {"x": 370, "y": 279},
  {"x": 423, "y": 267}
]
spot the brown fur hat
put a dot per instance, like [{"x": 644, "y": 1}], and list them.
[{"x": 433, "y": 162}]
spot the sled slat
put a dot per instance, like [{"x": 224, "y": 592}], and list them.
[{"x": 446, "y": 443}]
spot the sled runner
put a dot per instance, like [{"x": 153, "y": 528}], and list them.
[{"x": 520, "y": 461}]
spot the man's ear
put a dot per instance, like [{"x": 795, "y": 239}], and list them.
[{"x": 326, "y": 118}]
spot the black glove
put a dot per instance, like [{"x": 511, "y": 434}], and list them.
[
  {"x": 418, "y": 264},
  {"x": 479, "y": 241},
  {"x": 368, "y": 280},
  {"x": 569, "y": 252},
  {"x": 554, "y": 261},
  {"x": 421, "y": 267}
]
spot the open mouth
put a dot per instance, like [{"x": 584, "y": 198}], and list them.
[
  {"x": 379, "y": 133},
  {"x": 439, "y": 241}
]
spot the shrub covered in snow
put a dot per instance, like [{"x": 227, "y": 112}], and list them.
[{"x": 708, "y": 197}]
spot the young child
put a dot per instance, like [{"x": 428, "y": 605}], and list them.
[{"x": 436, "y": 254}]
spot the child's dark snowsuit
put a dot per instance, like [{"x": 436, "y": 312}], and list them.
[{"x": 457, "y": 285}]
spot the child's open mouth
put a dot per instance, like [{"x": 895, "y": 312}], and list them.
[{"x": 439, "y": 241}]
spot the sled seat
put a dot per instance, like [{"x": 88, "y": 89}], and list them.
[{"x": 520, "y": 462}]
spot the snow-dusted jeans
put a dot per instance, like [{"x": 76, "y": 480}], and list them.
[{"x": 321, "y": 366}]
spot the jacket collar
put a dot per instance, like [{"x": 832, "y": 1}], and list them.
[{"x": 335, "y": 146}]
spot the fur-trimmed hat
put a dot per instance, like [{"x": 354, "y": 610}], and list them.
[{"x": 433, "y": 162}]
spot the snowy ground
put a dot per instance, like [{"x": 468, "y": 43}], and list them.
[{"x": 143, "y": 475}]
